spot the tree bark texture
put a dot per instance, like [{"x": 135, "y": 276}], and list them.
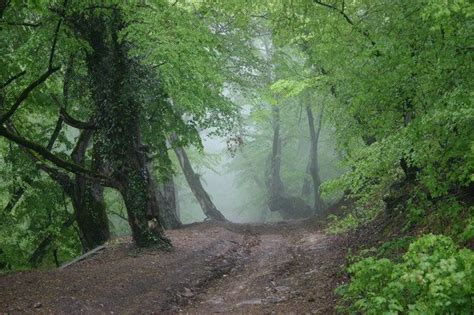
[{"x": 117, "y": 113}]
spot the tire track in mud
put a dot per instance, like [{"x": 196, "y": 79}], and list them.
[
  {"x": 284, "y": 272},
  {"x": 214, "y": 268}
]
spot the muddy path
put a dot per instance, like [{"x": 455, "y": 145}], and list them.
[{"x": 289, "y": 267}]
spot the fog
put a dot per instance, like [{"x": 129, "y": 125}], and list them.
[
  {"x": 231, "y": 199},
  {"x": 236, "y": 195}
]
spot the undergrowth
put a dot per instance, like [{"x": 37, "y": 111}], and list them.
[{"x": 434, "y": 276}]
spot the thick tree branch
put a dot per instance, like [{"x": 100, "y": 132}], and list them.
[
  {"x": 25, "y": 94},
  {"x": 59, "y": 177},
  {"x": 44, "y": 153},
  {"x": 68, "y": 119},
  {"x": 77, "y": 156},
  {"x": 19, "y": 193},
  {"x": 55, "y": 135}
]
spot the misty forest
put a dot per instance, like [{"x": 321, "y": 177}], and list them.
[{"x": 236, "y": 156}]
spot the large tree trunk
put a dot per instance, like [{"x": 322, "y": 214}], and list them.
[
  {"x": 314, "y": 133},
  {"x": 88, "y": 199},
  {"x": 167, "y": 199},
  {"x": 195, "y": 184},
  {"x": 117, "y": 115}
]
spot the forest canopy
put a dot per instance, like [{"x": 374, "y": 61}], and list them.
[{"x": 344, "y": 111}]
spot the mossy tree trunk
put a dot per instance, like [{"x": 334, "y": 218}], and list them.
[
  {"x": 88, "y": 199},
  {"x": 114, "y": 86}
]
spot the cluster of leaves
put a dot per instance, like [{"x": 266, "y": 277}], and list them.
[
  {"x": 434, "y": 277},
  {"x": 22, "y": 229}
]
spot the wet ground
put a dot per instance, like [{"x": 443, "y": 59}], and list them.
[{"x": 289, "y": 267}]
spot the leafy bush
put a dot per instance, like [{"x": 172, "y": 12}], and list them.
[
  {"x": 434, "y": 277},
  {"x": 350, "y": 222},
  {"x": 339, "y": 225}
]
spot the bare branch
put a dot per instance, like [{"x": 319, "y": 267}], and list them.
[
  {"x": 118, "y": 215},
  {"x": 60, "y": 177},
  {"x": 68, "y": 119}
]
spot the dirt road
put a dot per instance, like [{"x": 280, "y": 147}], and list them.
[{"x": 254, "y": 269}]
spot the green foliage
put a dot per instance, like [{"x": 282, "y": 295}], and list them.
[
  {"x": 22, "y": 230},
  {"x": 291, "y": 88},
  {"x": 195, "y": 60},
  {"x": 395, "y": 79},
  {"x": 184, "y": 57},
  {"x": 339, "y": 225},
  {"x": 434, "y": 277},
  {"x": 396, "y": 96}
]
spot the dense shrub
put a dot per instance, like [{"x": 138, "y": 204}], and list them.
[{"x": 434, "y": 277}]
